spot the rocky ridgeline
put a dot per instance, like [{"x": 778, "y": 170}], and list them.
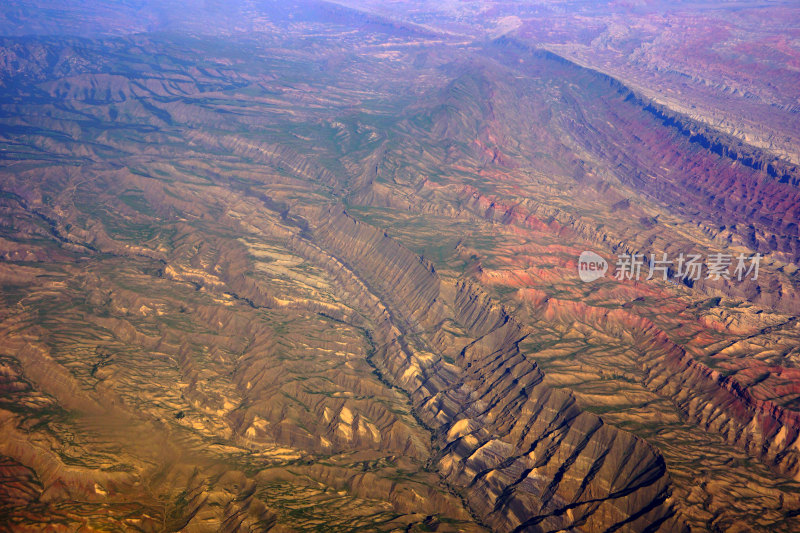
[
  {"x": 716, "y": 402},
  {"x": 701, "y": 174},
  {"x": 178, "y": 302},
  {"x": 523, "y": 454}
]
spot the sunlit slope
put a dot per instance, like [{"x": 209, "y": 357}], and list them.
[{"x": 252, "y": 284}]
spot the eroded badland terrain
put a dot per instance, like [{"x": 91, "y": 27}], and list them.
[{"x": 305, "y": 267}]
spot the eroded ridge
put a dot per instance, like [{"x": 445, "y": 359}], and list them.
[{"x": 524, "y": 455}]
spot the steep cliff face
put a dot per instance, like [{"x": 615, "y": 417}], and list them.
[
  {"x": 725, "y": 145},
  {"x": 666, "y": 155},
  {"x": 524, "y": 455},
  {"x": 526, "y": 445}
]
